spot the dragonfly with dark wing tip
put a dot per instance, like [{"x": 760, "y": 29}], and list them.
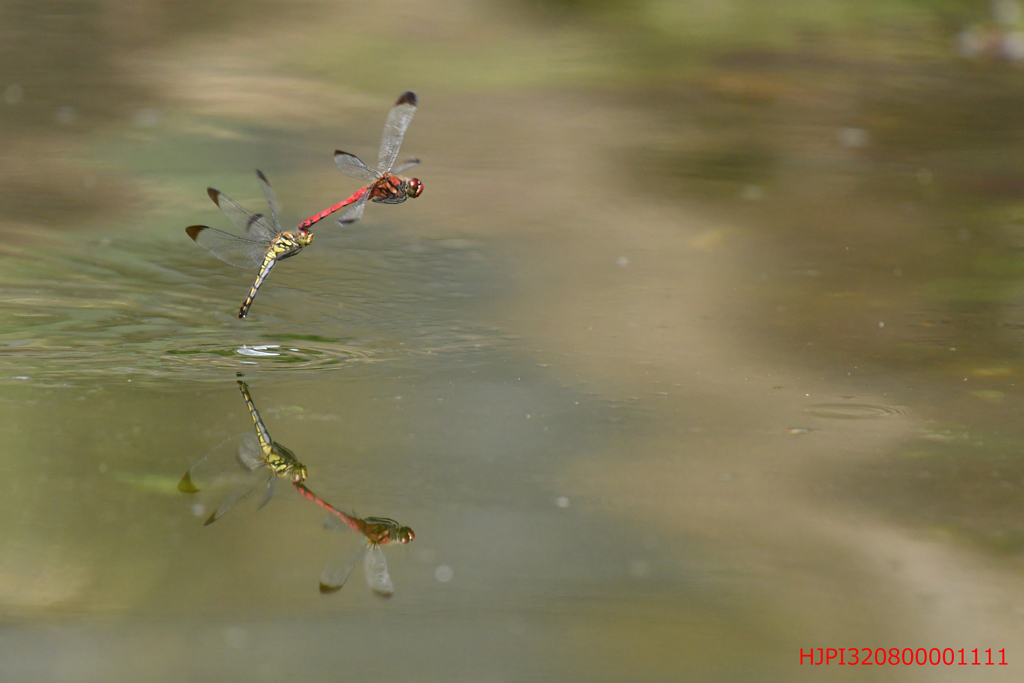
[
  {"x": 385, "y": 185},
  {"x": 260, "y": 460},
  {"x": 263, "y": 245},
  {"x": 378, "y": 531}
]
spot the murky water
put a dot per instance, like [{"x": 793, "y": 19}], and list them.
[{"x": 700, "y": 347}]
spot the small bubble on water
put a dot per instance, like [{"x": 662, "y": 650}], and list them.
[
  {"x": 638, "y": 569},
  {"x": 622, "y": 261},
  {"x": 198, "y": 510},
  {"x": 443, "y": 573},
  {"x": 562, "y": 502},
  {"x": 147, "y": 118},
  {"x": 13, "y": 94},
  {"x": 236, "y": 637},
  {"x": 21, "y": 377},
  {"x": 752, "y": 193},
  {"x": 881, "y": 324},
  {"x": 65, "y": 116},
  {"x": 853, "y": 137}
]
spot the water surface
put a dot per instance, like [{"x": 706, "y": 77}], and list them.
[{"x": 701, "y": 345}]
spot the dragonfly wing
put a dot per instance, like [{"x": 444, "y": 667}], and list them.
[
  {"x": 218, "y": 468},
  {"x": 241, "y": 492},
  {"x": 353, "y": 167},
  {"x": 254, "y": 225},
  {"x": 229, "y": 248},
  {"x": 250, "y": 453},
  {"x": 268, "y": 192},
  {"x": 355, "y": 211},
  {"x": 338, "y": 569},
  {"x": 376, "y": 569},
  {"x": 395, "y": 126},
  {"x": 405, "y": 166},
  {"x": 271, "y": 487}
]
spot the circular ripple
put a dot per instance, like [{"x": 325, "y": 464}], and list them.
[{"x": 854, "y": 411}]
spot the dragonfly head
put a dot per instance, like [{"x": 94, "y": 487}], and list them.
[
  {"x": 304, "y": 237},
  {"x": 299, "y": 473},
  {"x": 404, "y": 535},
  {"x": 414, "y": 188}
]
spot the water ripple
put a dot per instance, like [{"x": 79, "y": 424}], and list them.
[{"x": 854, "y": 411}]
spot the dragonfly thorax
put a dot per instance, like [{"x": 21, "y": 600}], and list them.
[
  {"x": 284, "y": 464},
  {"x": 381, "y": 530}
]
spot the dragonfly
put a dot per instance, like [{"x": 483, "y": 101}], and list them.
[
  {"x": 261, "y": 461},
  {"x": 378, "y": 531},
  {"x": 385, "y": 185},
  {"x": 264, "y": 242}
]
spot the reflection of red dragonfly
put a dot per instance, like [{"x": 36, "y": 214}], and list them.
[
  {"x": 378, "y": 531},
  {"x": 385, "y": 186}
]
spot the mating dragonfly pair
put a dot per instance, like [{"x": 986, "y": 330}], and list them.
[
  {"x": 265, "y": 242},
  {"x": 258, "y": 464}
]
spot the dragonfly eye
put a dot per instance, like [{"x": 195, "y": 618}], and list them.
[
  {"x": 405, "y": 535},
  {"x": 415, "y": 188},
  {"x": 299, "y": 474}
]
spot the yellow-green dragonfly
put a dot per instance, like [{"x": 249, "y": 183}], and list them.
[
  {"x": 263, "y": 245},
  {"x": 259, "y": 460},
  {"x": 378, "y": 531}
]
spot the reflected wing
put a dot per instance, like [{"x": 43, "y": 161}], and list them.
[
  {"x": 376, "y": 569},
  {"x": 338, "y": 569},
  {"x": 268, "y": 192},
  {"x": 217, "y": 468},
  {"x": 254, "y": 225},
  {"x": 405, "y": 166},
  {"x": 350, "y": 165},
  {"x": 395, "y": 126},
  {"x": 241, "y": 492},
  {"x": 271, "y": 488},
  {"x": 355, "y": 211},
  {"x": 250, "y": 453},
  {"x": 237, "y": 251}
]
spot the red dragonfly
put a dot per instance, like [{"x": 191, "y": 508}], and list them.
[
  {"x": 377, "y": 530},
  {"x": 385, "y": 185}
]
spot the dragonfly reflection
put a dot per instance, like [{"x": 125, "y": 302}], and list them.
[
  {"x": 378, "y": 531},
  {"x": 259, "y": 460}
]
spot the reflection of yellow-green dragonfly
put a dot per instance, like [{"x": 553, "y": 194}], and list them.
[
  {"x": 378, "y": 531},
  {"x": 264, "y": 243},
  {"x": 259, "y": 459}
]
